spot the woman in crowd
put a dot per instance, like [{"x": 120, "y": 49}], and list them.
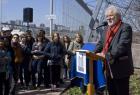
[
  {"x": 37, "y": 60},
  {"x": 18, "y": 58},
  {"x": 76, "y": 44},
  {"x": 66, "y": 42},
  {"x": 24, "y": 67},
  {"x": 4, "y": 69},
  {"x": 55, "y": 52}
]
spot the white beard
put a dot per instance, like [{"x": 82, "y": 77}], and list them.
[{"x": 111, "y": 23}]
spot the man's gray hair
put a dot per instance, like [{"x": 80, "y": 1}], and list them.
[{"x": 114, "y": 9}]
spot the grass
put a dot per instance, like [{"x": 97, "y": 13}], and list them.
[
  {"x": 134, "y": 86},
  {"x": 74, "y": 91}
]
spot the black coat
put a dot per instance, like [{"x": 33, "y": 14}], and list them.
[
  {"x": 55, "y": 52},
  {"x": 119, "y": 52}
]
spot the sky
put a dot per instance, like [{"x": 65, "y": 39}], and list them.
[{"x": 13, "y": 9}]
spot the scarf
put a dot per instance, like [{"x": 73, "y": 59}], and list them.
[{"x": 111, "y": 31}]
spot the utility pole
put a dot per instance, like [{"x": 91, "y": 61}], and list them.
[
  {"x": 51, "y": 19},
  {"x": 1, "y": 15}
]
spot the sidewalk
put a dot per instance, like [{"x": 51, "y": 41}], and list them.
[{"x": 44, "y": 91}]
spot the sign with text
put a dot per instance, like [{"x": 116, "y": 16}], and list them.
[{"x": 81, "y": 62}]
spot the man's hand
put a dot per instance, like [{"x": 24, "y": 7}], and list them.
[{"x": 101, "y": 54}]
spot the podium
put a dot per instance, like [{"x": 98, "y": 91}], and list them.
[{"x": 83, "y": 68}]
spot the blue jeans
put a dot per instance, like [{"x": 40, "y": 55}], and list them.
[{"x": 37, "y": 67}]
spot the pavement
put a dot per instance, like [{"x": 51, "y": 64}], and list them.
[
  {"x": 44, "y": 91},
  {"x": 41, "y": 92}
]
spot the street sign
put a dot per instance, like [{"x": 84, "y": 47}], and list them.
[{"x": 51, "y": 17}]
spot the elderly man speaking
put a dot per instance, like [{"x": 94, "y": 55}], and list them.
[{"x": 115, "y": 46}]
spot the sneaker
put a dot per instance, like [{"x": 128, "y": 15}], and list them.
[
  {"x": 53, "y": 87},
  {"x": 34, "y": 87},
  {"x": 38, "y": 88}
]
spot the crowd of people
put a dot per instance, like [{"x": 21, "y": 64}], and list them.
[{"x": 27, "y": 62}]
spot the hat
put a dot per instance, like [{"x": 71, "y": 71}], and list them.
[{"x": 6, "y": 29}]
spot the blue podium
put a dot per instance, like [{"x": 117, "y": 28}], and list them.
[{"x": 88, "y": 68}]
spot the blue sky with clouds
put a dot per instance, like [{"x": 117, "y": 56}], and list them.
[{"x": 13, "y": 9}]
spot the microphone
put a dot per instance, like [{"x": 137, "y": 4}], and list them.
[{"x": 103, "y": 24}]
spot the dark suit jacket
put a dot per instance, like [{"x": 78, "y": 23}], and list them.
[{"x": 119, "y": 51}]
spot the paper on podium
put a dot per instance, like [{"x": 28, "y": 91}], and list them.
[{"x": 81, "y": 61}]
